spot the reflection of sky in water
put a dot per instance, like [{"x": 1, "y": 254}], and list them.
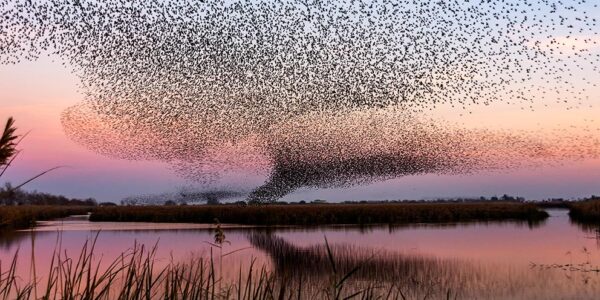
[{"x": 502, "y": 252}]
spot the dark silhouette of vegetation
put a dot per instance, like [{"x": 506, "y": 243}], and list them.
[
  {"x": 505, "y": 198},
  {"x": 321, "y": 214},
  {"x": 21, "y": 217},
  {"x": 586, "y": 211},
  {"x": 554, "y": 203},
  {"x": 8, "y": 145},
  {"x": 9, "y": 152},
  {"x": 135, "y": 274},
  {"x": 12, "y": 196}
]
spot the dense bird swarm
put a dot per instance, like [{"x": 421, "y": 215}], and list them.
[
  {"x": 320, "y": 93},
  {"x": 185, "y": 195}
]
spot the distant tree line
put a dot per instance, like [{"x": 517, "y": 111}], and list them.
[
  {"x": 503, "y": 198},
  {"x": 11, "y": 196}
]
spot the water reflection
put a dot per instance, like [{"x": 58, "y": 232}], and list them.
[
  {"x": 9, "y": 238},
  {"x": 318, "y": 260},
  {"x": 82, "y": 223},
  {"x": 592, "y": 229},
  {"x": 484, "y": 260},
  {"x": 412, "y": 274},
  {"x": 419, "y": 275}
]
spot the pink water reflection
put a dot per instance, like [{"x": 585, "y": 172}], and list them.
[{"x": 501, "y": 253}]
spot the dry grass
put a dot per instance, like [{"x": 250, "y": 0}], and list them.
[
  {"x": 324, "y": 213},
  {"x": 134, "y": 275},
  {"x": 585, "y": 211}
]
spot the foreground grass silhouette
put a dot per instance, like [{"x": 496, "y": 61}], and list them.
[{"x": 135, "y": 275}]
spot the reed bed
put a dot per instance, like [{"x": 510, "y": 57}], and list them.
[
  {"x": 585, "y": 211},
  {"x": 324, "y": 213},
  {"x": 21, "y": 217}
]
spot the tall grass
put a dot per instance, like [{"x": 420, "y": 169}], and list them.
[
  {"x": 585, "y": 211},
  {"x": 324, "y": 214},
  {"x": 134, "y": 275}
]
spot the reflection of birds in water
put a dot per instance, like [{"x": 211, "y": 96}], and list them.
[
  {"x": 180, "y": 81},
  {"x": 314, "y": 263}
]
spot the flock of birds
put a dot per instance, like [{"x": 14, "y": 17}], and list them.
[
  {"x": 317, "y": 93},
  {"x": 184, "y": 196}
]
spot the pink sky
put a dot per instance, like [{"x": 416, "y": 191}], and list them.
[{"x": 36, "y": 93}]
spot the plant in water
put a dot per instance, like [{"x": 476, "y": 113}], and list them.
[
  {"x": 219, "y": 234},
  {"x": 219, "y": 240}
]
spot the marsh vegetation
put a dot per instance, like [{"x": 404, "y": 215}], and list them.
[
  {"x": 587, "y": 211},
  {"x": 20, "y": 217},
  {"x": 322, "y": 214}
]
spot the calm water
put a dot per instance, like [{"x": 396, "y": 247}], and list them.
[{"x": 484, "y": 261}]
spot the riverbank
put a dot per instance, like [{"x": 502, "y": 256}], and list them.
[
  {"x": 21, "y": 217},
  {"x": 585, "y": 211}
]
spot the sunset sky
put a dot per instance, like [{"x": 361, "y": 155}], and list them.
[{"x": 37, "y": 92}]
